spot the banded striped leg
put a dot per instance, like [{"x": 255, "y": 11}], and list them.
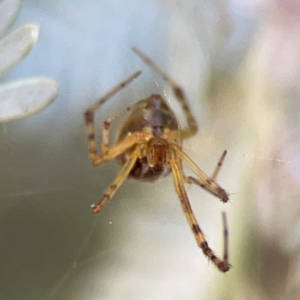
[
  {"x": 123, "y": 174},
  {"x": 107, "y": 122},
  {"x": 90, "y": 124},
  {"x": 179, "y": 94},
  {"x": 222, "y": 265},
  {"x": 193, "y": 180},
  {"x": 226, "y": 237},
  {"x": 202, "y": 180},
  {"x": 121, "y": 147},
  {"x": 219, "y": 165}
]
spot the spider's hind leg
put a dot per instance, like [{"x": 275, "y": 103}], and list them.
[
  {"x": 90, "y": 123},
  {"x": 179, "y": 94}
]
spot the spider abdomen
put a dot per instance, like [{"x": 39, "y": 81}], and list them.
[{"x": 152, "y": 113}]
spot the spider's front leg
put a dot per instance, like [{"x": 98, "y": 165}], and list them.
[
  {"x": 136, "y": 139},
  {"x": 123, "y": 174},
  {"x": 222, "y": 265},
  {"x": 204, "y": 181},
  {"x": 208, "y": 183}
]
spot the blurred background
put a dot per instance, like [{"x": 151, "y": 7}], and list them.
[{"x": 239, "y": 64}]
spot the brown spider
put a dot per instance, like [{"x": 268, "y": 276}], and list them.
[{"x": 148, "y": 148}]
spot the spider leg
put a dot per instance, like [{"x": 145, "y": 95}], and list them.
[
  {"x": 193, "y": 180},
  {"x": 179, "y": 94},
  {"x": 222, "y": 265},
  {"x": 89, "y": 118},
  {"x": 118, "y": 149},
  {"x": 202, "y": 179},
  {"x": 108, "y": 121},
  {"x": 219, "y": 166},
  {"x": 225, "y": 234},
  {"x": 123, "y": 174}
]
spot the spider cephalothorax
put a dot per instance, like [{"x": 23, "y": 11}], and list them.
[
  {"x": 148, "y": 148},
  {"x": 158, "y": 154}
]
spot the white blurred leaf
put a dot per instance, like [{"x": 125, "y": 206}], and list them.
[
  {"x": 16, "y": 45},
  {"x": 25, "y": 97},
  {"x": 9, "y": 10}
]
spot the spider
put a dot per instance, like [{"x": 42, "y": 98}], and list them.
[{"x": 148, "y": 148}]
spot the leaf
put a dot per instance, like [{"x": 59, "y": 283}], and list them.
[
  {"x": 9, "y": 10},
  {"x": 16, "y": 46},
  {"x": 22, "y": 98}
]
